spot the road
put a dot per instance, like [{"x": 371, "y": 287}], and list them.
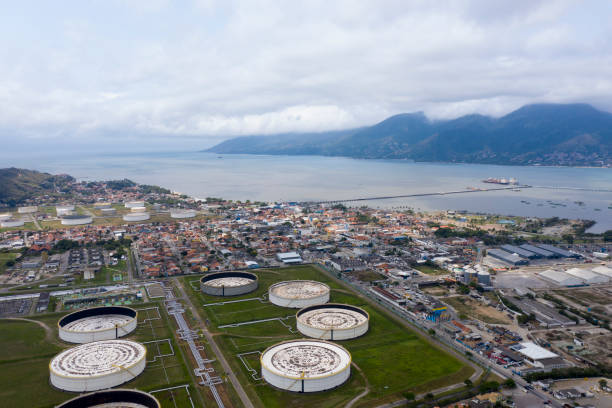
[
  {"x": 211, "y": 341},
  {"x": 450, "y": 345}
]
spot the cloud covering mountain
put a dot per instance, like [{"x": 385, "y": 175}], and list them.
[
  {"x": 551, "y": 134},
  {"x": 105, "y": 71}
]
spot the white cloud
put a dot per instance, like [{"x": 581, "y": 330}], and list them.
[{"x": 220, "y": 68}]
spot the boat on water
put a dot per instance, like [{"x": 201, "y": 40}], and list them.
[{"x": 502, "y": 180}]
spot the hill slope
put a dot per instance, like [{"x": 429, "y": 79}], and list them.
[
  {"x": 17, "y": 185},
  {"x": 550, "y": 134}
]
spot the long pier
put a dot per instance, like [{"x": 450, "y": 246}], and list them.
[{"x": 480, "y": 190}]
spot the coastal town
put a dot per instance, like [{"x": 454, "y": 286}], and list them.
[{"x": 521, "y": 296}]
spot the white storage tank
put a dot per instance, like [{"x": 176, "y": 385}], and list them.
[
  {"x": 27, "y": 210},
  {"x": 11, "y": 223},
  {"x": 228, "y": 283},
  {"x": 132, "y": 204},
  {"x": 298, "y": 293},
  {"x": 182, "y": 213},
  {"x": 76, "y": 219},
  {"x": 123, "y": 398},
  {"x": 134, "y": 217},
  {"x": 64, "y": 210},
  {"x": 98, "y": 365},
  {"x": 306, "y": 365},
  {"x": 332, "y": 321},
  {"x": 97, "y": 323}
]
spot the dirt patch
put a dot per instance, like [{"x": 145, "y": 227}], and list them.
[
  {"x": 366, "y": 276},
  {"x": 464, "y": 305}
]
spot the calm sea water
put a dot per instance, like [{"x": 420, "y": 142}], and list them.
[{"x": 297, "y": 178}]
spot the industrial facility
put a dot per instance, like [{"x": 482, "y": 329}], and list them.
[
  {"x": 603, "y": 270},
  {"x": 132, "y": 204},
  {"x": 62, "y": 210},
  {"x": 561, "y": 278},
  {"x": 298, "y": 293},
  {"x": 11, "y": 223},
  {"x": 507, "y": 257},
  {"x": 228, "y": 283},
  {"x": 134, "y": 217},
  {"x": 113, "y": 398},
  {"x": 332, "y": 321},
  {"x": 98, "y": 323},
  {"x": 182, "y": 213},
  {"x": 27, "y": 210},
  {"x": 306, "y": 365},
  {"x": 76, "y": 219},
  {"x": 289, "y": 258},
  {"x": 98, "y": 365},
  {"x": 589, "y": 277}
]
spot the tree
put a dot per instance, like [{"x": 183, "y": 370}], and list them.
[
  {"x": 509, "y": 383},
  {"x": 468, "y": 383},
  {"x": 603, "y": 384},
  {"x": 409, "y": 396},
  {"x": 569, "y": 238},
  {"x": 429, "y": 396}
]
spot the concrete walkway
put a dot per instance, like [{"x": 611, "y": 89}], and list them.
[{"x": 220, "y": 357}]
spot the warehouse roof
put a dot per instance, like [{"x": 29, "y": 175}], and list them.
[
  {"x": 535, "y": 352},
  {"x": 561, "y": 278},
  {"x": 588, "y": 276},
  {"x": 603, "y": 270}
]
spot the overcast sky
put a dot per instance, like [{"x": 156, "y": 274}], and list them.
[{"x": 97, "y": 71}]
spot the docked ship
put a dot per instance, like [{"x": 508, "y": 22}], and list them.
[{"x": 502, "y": 180}]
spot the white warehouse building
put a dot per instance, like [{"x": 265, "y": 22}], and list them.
[
  {"x": 603, "y": 270},
  {"x": 289, "y": 257},
  {"x": 588, "y": 276},
  {"x": 561, "y": 278}
]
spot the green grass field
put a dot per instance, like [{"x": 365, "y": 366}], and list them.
[
  {"x": 26, "y": 350},
  {"x": 393, "y": 358},
  {"x": 4, "y": 257}
]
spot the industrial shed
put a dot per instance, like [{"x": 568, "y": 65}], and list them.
[
  {"x": 506, "y": 257},
  {"x": 561, "y": 278},
  {"x": 603, "y": 270},
  {"x": 561, "y": 252},
  {"x": 588, "y": 276},
  {"x": 539, "y": 251},
  {"x": 523, "y": 253}
]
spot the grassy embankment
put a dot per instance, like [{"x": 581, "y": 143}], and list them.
[
  {"x": 392, "y": 358},
  {"x": 26, "y": 350}
]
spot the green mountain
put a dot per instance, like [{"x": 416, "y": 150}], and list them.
[
  {"x": 17, "y": 185},
  {"x": 543, "y": 134}
]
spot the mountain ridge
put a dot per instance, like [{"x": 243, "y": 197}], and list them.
[{"x": 537, "y": 134}]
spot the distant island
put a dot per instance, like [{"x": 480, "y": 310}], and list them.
[{"x": 540, "y": 134}]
